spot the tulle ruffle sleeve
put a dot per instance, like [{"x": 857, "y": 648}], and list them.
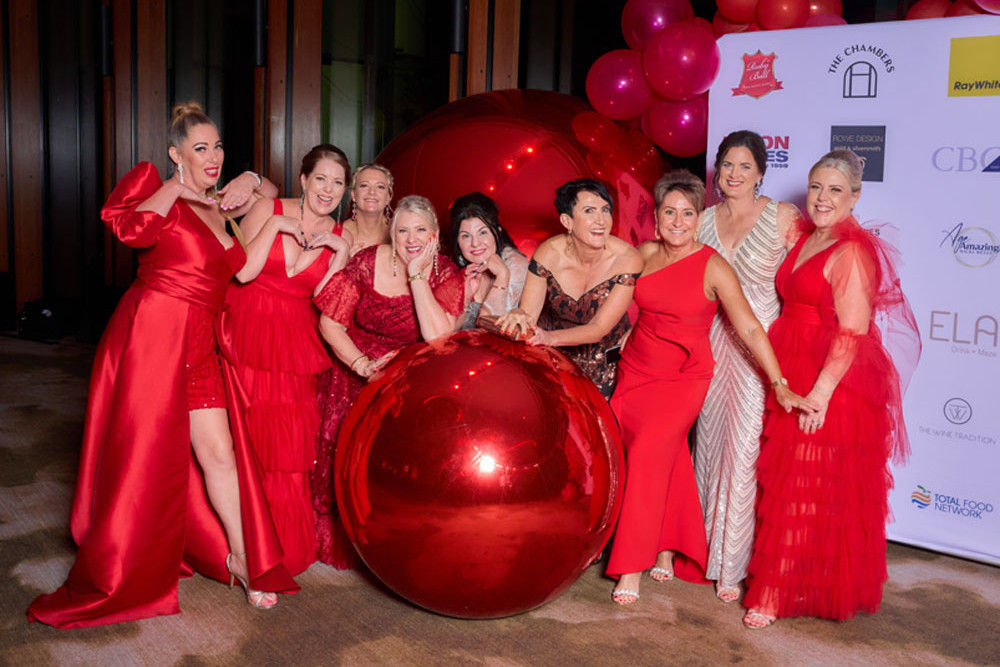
[
  {"x": 136, "y": 229},
  {"x": 448, "y": 285},
  {"x": 518, "y": 265},
  {"x": 339, "y": 297}
]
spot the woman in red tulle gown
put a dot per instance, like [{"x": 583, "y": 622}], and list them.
[
  {"x": 819, "y": 548},
  {"x": 663, "y": 377},
  {"x": 271, "y": 344},
  {"x": 387, "y": 297},
  {"x": 146, "y": 510}
]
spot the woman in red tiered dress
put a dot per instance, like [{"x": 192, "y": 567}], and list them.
[
  {"x": 387, "y": 297},
  {"x": 663, "y": 377},
  {"x": 819, "y": 546},
  {"x": 147, "y": 509},
  {"x": 270, "y": 340}
]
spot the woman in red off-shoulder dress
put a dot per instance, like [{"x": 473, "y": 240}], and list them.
[{"x": 147, "y": 509}]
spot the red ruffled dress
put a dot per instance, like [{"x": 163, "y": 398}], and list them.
[
  {"x": 141, "y": 515},
  {"x": 819, "y": 548},
  {"x": 377, "y": 324},
  {"x": 270, "y": 338}
]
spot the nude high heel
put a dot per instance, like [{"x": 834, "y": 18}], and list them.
[{"x": 256, "y": 599}]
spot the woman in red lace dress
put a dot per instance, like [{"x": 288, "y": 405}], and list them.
[
  {"x": 387, "y": 297},
  {"x": 271, "y": 344},
  {"x": 819, "y": 546},
  {"x": 146, "y": 509}
]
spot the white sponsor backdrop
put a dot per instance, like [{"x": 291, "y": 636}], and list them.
[{"x": 941, "y": 197}]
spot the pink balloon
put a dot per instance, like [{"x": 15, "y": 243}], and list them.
[
  {"x": 928, "y": 9},
  {"x": 782, "y": 14},
  {"x": 679, "y": 128},
  {"x": 964, "y": 8},
  {"x": 991, "y": 6},
  {"x": 641, "y": 19},
  {"x": 738, "y": 11},
  {"x": 817, "y": 20},
  {"x": 682, "y": 60},
  {"x": 826, "y": 7},
  {"x": 596, "y": 132},
  {"x": 616, "y": 86}
]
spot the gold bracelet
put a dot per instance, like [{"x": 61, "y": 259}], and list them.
[
  {"x": 355, "y": 362},
  {"x": 417, "y": 276}
]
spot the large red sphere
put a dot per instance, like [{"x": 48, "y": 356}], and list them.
[
  {"x": 517, "y": 146},
  {"x": 477, "y": 477}
]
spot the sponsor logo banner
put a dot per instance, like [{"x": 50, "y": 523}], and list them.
[
  {"x": 974, "y": 66},
  {"x": 868, "y": 141},
  {"x": 924, "y": 498},
  {"x": 758, "y": 75},
  {"x": 971, "y": 246}
]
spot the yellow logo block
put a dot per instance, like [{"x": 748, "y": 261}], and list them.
[{"x": 974, "y": 68}]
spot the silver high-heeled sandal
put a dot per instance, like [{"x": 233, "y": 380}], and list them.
[{"x": 256, "y": 599}]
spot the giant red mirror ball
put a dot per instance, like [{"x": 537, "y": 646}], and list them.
[
  {"x": 478, "y": 477},
  {"x": 517, "y": 146}
]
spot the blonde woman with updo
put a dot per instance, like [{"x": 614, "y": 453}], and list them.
[
  {"x": 159, "y": 491},
  {"x": 371, "y": 210},
  {"x": 387, "y": 297}
]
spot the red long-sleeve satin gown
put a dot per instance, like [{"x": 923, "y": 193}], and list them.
[
  {"x": 141, "y": 516},
  {"x": 819, "y": 547},
  {"x": 270, "y": 339},
  {"x": 663, "y": 377},
  {"x": 377, "y": 324}
]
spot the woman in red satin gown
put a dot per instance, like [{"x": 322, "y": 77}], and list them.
[
  {"x": 387, "y": 297},
  {"x": 663, "y": 377},
  {"x": 146, "y": 510},
  {"x": 270, "y": 339},
  {"x": 819, "y": 547}
]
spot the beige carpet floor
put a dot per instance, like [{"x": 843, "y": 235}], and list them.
[{"x": 937, "y": 610}]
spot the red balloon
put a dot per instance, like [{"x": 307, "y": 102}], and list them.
[
  {"x": 990, "y": 6},
  {"x": 517, "y": 146},
  {"x": 679, "y": 128},
  {"x": 738, "y": 11},
  {"x": 723, "y": 26},
  {"x": 596, "y": 132},
  {"x": 615, "y": 85},
  {"x": 826, "y": 7},
  {"x": 964, "y": 8},
  {"x": 478, "y": 477},
  {"x": 683, "y": 60},
  {"x": 929, "y": 9},
  {"x": 817, "y": 20},
  {"x": 782, "y": 14},
  {"x": 641, "y": 19},
  {"x": 639, "y": 157}
]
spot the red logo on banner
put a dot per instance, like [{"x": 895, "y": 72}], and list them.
[{"x": 758, "y": 75}]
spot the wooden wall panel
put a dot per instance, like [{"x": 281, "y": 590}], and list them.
[
  {"x": 151, "y": 82},
  {"x": 277, "y": 64},
  {"x": 307, "y": 60},
  {"x": 478, "y": 36},
  {"x": 4, "y": 173},
  {"x": 26, "y": 150},
  {"x": 506, "y": 43},
  {"x": 119, "y": 260}
]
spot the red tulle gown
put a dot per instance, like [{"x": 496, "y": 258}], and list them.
[
  {"x": 270, "y": 339},
  {"x": 819, "y": 548},
  {"x": 662, "y": 381},
  {"x": 141, "y": 516},
  {"x": 377, "y": 324}
]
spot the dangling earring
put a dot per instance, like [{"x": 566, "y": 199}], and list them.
[
  {"x": 180, "y": 172},
  {"x": 354, "y": 211},
  {"x": 302, "y": 205},
  {"x": 718, "y": 191},
  {"x": 387, "y": 213},
  {"x": 394, "y": 269},
  {"x": 756, "y": 190},
  {"x": 435, "y": 265},
  {"x": 656, "y": 233}
]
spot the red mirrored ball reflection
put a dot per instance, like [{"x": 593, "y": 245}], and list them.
[{"x": 478, "y": 477}]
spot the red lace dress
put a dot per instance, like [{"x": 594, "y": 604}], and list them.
[
  {"x": 663, "y": 378},
  {"x": 377, "y": 324},
  {"x": 270, "y": 338},
  {"x": 141, "y": 515},
  {"x": 819, "y": 547}
]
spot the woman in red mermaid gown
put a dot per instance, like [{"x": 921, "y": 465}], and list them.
[
  {"x": 663, "y": 377},
  {"x": 270, "y": 339},
  {"x": 387, "y": 297},
  {"x": 145, "y": 511},
  {"x": 819, "y": 548}
]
